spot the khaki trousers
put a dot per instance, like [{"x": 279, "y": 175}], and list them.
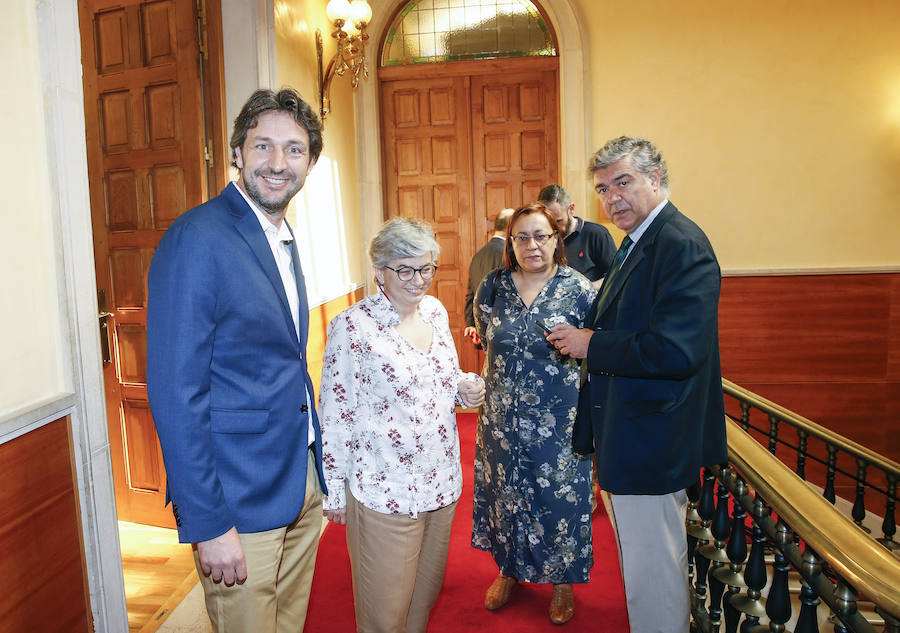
[
  {"x": 280, "y": 565},
  {"x": 652, "y": 543},
  {"x": 398, "y": 566}
]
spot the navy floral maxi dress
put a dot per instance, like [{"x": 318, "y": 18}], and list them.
[{"x": 532, "y": 494}]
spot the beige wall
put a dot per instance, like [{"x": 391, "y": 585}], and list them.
[
  {"x": 31, "y": 322},
  {"x": 780, "y": 120},
  {"x": 325, "y": 214}
]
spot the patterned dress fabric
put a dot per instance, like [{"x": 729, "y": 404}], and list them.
[
  {"x": 387, "y": 411},
  {"x": 532, "y": 494}
]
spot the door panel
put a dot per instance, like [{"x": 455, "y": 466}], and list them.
[
  {"x": 144, "y": 131},
  {"x": 514, "y": 140},
  {"x": 428, "y": 174},
  {"x": 461, "y": 142}
]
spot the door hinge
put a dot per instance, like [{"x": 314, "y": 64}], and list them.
[{"x": 207, "y": 152}]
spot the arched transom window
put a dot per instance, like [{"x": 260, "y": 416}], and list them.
[{"x": 427, "y": 31}]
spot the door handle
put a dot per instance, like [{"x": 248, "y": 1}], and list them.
[{"x": 104, "y": 336}]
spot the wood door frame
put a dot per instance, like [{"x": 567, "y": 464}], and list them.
[{"x": 574, "y": 97}]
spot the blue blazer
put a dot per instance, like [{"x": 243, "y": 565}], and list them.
[
  {"x": 226, "y": 374},
  {"x": 653, "y": 405}
]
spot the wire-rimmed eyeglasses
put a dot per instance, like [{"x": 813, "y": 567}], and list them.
[
  {"x": 405, "y": 273},
  {"x": 539, "y": 238}
]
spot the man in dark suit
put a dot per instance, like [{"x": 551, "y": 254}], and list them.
[
  {"x": 227, "y": 377},
  {"x": 652, "y": 406},
  {"x": 484, "y": 261},
  {"x": 589, "y": 246}
]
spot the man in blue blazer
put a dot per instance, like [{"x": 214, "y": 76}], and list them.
[
  {"x": 227, "y": 377},
  {"x": 652, "y": 406}
]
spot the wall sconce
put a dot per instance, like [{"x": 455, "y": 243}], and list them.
[{"x": 351, "y": 46}]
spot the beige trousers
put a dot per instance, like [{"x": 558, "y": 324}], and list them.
[
  {"x": 280, "y": 565},
  {"x": 398, "y": 566},
  {"x": 652, "y": 543}
]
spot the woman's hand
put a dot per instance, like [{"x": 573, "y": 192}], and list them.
[
  {"x": 336, "y": 516},
  {"x": 471, "y": 392}
]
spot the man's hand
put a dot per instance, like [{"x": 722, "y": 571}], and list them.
[
  {"x": 472, "y": 333},
  {"x": 222, "y": 558},
  {"x": 598, "y": 283},
  {"x": 569, "y": 340},
  {"x": 336, "y": 516}
]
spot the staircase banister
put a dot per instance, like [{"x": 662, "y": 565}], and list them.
[
  {"x": 810, "y": 427},
  {"x": 860, "y": 560}
]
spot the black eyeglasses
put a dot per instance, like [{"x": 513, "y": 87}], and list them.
[
  {"x": 539, "y": 238},
  {"x": 405, "y": 273}
]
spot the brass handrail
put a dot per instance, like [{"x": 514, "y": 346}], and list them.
[
  {"x": 811, "y": 428},
  {"x": 861, "y": 561}
]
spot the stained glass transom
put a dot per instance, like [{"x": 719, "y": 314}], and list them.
[{"x": 452, "y": 30}]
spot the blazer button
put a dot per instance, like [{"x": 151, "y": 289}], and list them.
[{"x": 304, "y": 408}]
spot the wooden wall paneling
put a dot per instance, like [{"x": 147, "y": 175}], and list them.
[
  {"x": 823, "y": 346},
  {"x": 792, "y": 327},
  {"x": 42, "y": 559}
]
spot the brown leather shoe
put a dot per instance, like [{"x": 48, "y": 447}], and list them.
[
  {"x": 498, "y": 593},
  {"x": 562, "y": 604}
]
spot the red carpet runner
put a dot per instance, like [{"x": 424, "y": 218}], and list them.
[{"x": 599, "y": 605}]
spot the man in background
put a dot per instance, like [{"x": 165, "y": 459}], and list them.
[
  {"x": 227, "y": 378},
  {"x": 589, "y": 246},
  {"x": 487, "y": 259}
]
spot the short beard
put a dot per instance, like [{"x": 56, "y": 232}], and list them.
[{"x": 268, "y": 206}]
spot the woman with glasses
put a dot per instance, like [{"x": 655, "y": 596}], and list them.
[
  {"x": 390, "y": 383},
  {"x": 532, "y": 496}
]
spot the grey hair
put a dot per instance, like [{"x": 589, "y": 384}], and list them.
[
  {"x": 644, "y": 155},
  {"x": 555, "y": 193},
  {"x": 399, "y": 238}
]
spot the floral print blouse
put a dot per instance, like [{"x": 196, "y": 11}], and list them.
[{"x": 387, "y": 410}]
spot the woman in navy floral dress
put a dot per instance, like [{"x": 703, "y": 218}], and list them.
[{"x": 532, "y": 494}]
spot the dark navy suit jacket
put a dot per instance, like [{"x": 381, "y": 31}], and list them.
[
  {"x": 227, "y": 375},
  {"x": 653, "y": 404}
]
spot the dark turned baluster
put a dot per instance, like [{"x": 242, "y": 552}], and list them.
[
  {"x": 706, "y": 510},
  {"x": 859, "y": 503},
  {"x": 753, "y": 604},
  {"x": 889, "y": 525},
  {"x": 846, "y": 600},
  {"x": 891, "y": 624},
  {"x": 778, "y": 602},
  {"x": 802, "y": 441},
  {"x": 829, "y": 477},
  {"x": 737, "y": 554},
  {"x": 715, "y": 552},
  {"x": 773, "y": 433},
  {"x": 745, "y": 416},
  {"x": 692, "y": 520},
  {"x": 808, "y": 621}
]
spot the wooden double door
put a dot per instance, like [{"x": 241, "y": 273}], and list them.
[{"x": 461, "y": 141}]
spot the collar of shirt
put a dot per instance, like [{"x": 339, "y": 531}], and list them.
[
  {"x": 274, "y": 234},
  {"x": 579, "y": 224},
  {"x": 636, "y": 234},
  {"x": 384, "y": 312}
]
